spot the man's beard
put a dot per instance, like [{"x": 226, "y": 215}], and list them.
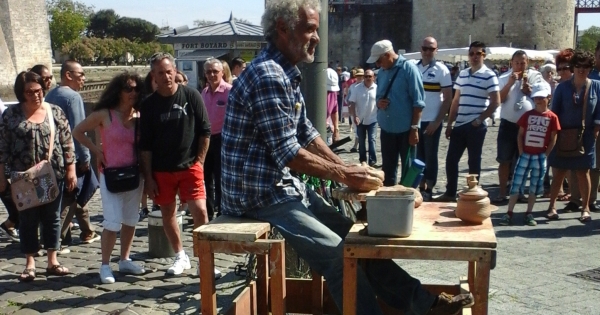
[{"x": 302, "y": 50}]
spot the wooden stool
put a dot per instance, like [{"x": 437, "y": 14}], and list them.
[{"x": 235, "y": 235}]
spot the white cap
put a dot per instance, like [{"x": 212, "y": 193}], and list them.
[
  {"x": 540, "y": 89},
  {"x": 379, "y": 48},
  {"x": 332, "y": 81}
]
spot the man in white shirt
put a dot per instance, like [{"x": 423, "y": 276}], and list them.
[
  {"x": 363, "y": 107},
  {"x": 515, "y": 87},
  {"x": 437, "y": 83},
  {"x": 477, "y": 97}
]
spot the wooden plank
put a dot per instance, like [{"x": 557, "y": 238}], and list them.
[
  {"x": 434, "y": 224},
  {"x": 317, "y": 294},
  {"x": 229, "y": 228},
  {"x": 259, "y": 247},
  {"x": 299, "y": 291},
  {"x": 471, "y": 275},
  {"x": 349, "y": 298},
  {"x": 277, "y": 273},
  {"x": 464, "y": 285},
  {"x": 262, "y": 282},
  {"x": 417, "y": 252},
  {"x": 208, "y": 293},
  {"x": 481, "y": 289},
  {"x": 242, "y": 305},
  {"x": 437, "y": 289}
]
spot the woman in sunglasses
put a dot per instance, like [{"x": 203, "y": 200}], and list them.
[
  {"x": 115, "y": 116},
  {"x": 568, "y": 102},
  {"x": 24, "y": 142},
  {"x": 46, "y": 75}
]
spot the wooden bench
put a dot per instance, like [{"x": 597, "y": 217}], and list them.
[{"x": 234, "y": 235}]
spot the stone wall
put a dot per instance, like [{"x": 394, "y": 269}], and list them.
[
  {"x": 345, "y": 36},
  {"x": 530, "y": 24},
  {"x": 24, "y": 37}
]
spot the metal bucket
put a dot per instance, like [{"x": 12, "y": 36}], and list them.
[
  {"x": 158, "y": 243},
  {"x": 390, "y": 215}
]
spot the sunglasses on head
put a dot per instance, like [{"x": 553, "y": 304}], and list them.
[
  {"x": 478, "y": 53},
  {"x": 129, "y": 89},
  {"x": 432, "y": 49}
]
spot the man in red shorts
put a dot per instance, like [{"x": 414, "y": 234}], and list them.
[{"x": 175, "y": 133}]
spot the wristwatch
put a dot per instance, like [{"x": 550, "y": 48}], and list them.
[
  {"x": 478, "y": 121},
  {"x": 415, "y": 127}
]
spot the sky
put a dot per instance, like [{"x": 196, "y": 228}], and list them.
[{"x": 175, "y": 13}]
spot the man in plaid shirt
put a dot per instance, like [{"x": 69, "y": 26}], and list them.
[{"x": 266, "y": 134}]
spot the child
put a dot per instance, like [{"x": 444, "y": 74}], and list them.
[{"x": 537, "y": 136}]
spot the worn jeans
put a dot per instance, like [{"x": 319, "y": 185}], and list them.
[
  {"x": 317, "y": 234},
  {"x": 48, "y": 216},
  {"x": 212, "y": 175},
  {"x": 364, "y": 131},
  {"x": 394, "y": 146},
  {"x": 464, "y": 137},
  {"x": 427, "y": 152}
]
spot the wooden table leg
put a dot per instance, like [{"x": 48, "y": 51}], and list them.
[
  {"x": 277, "y": 273},
  {"x": 262, "y": 283},
  {"x": 208, "y": 293},
  {"x": 317, "y": 294},
  {"x": 350, "y": 266},
  {"x": 471, "y": 275},
  {"x": 481, "y": 288}
]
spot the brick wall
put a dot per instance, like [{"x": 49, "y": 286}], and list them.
[{"x": 24, "y": 37}]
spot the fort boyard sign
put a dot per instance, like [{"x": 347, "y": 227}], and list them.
[{"x": 218, "y": 45}]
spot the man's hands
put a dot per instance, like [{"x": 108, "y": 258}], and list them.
[
  {"x": 362, "y": 178},
  {"x": 413, "y": 137},
  {"x": 448, "y": 131},
  {"x": 383, "y": 103},
  {"x": 432, "y": 127},
  {"x": 150, "y": 187},
  {"x": 356, "y": 121},
  {"x": 71, "y": 178}
]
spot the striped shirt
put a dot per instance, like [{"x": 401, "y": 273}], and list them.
[
  {"x": 474, "y": 93},
  {"x": 436, "y": 76},
  {"x": 265, "y": 127}
]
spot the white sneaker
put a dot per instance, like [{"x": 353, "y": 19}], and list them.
[
  {"x": 180, "y": 264},
  {"x": 106, "y": 275},
  {"x": 128, "y": 266},
  {"x": 218, "y": 274}
]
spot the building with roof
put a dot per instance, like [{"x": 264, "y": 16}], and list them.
[{"x": 224, "y": 41}]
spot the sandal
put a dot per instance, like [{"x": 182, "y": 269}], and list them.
[
  {"x": 563, "y": 197},
  {"x": 585, "y": 217},
  {"x": 27, "y": 275},
  {"x": 57, "y": 270},
  {"x": 551, "y": 214}
]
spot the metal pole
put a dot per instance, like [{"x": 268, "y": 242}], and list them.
[{"x": 314, "y": 78}]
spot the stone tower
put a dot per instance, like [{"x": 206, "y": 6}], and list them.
[
  {"x": 24, "y": 37},
  {"x": 530, "y": 24}
]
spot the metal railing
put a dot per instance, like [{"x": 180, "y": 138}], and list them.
[{"x": 94, "y": 86}]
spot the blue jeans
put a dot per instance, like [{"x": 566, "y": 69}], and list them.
[
  {"x": 427, "y": 152},
  {"x": 317, "y": 234},
  {"x": 464, "y": 137},
  {"x": 48, "y": 216},
  {"x": 394, "y": 146},
  {"x": 362, "y": 131}
]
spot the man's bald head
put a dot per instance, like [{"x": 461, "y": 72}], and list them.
[
  {"x": 429, "y": 42},
  {"x": 428, "y": 50}
]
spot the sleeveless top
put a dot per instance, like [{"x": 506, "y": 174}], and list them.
[{"x": 118, "y": 143}]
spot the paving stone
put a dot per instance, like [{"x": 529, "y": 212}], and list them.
[
  {"x": 81, "y": 311},
  {"x": 91, "y": 293},
  {"x": 10, "y": 309},
  {"x": 109, "y": 307},
  {"x": 8, "y": 296}
]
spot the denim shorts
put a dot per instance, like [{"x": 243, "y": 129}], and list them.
[{"x": 508, "y": 148}]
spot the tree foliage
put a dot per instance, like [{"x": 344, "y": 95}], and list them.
[
  {"x": 67, "y": 20},
  {"x": 135, "y": 29},
  {"x": 96, "y": 51},
  {"x": 102, "y": 23},
  {"x": 239, "y": 20},
  {"x": 199, "y": 23},
  {"x": 589, "y": 39}
]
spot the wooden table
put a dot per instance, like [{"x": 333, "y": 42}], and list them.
[{"x": 437, "y": 235}]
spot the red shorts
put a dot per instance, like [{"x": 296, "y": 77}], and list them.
[{"x": 190, "y": 184}]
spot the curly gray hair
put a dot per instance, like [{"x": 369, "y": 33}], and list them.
[{"x": 287, "y": 11}]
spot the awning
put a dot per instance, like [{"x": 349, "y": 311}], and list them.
[{"x": 203, "y": 54}]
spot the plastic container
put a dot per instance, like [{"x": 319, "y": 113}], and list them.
[
  {"x": 391, "y": 215},
  {"x": 158, "y": 243},
  {"x": 416, "y": 168}
]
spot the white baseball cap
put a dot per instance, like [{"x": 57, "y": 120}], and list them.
[
  {"x": 332, "y": 81},
  {"x": 540, "y": 89},
  {"x": 379, "y": 48}
]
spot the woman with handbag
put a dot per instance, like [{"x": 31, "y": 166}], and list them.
[
  {"x": 36, "y": 143},
  {"x": 575, "y": 102},
  {"x": 120, "y": 180}
]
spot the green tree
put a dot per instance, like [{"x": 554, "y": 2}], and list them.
[
  {"x": 68, "y": 20},
  {"x": 135, "y": 29},
  {"x": 102, "y": 23},
  {"x": 199, "y": 23},
  {"x": 589, "y": 39},
  {"x": 239, "y": 20}
]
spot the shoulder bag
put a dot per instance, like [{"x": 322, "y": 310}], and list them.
[
  {"x": 123, "y": 179},
  {"x": 36, "y": 186},
  {"x": 570, "y": 140}
]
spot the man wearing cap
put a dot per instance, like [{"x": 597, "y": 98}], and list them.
[
  {"x": 359, "y": 74},
  {"x": 400, "y": 99},
  {"x": 333, "y": 89},
  {"x": 437, "y": 84},
  {"x": 363, "y": 110}
]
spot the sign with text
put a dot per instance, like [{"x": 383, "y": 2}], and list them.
[{"x": 207, "y": 45}]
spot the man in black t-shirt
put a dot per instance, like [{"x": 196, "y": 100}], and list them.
[{"x": 175, "y": 134}]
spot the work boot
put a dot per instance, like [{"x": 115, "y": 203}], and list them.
[{"x": 447, "y": 304}]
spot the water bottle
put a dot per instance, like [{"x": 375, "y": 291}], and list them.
[{"x": 415, "y": 169}]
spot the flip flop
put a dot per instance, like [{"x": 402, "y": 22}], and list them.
[
  {"x": 27, "y": 275},
  {"x": 57, "y": 270},
  {"x": 564, "y": 197},
  {"x": 585, "y": 217},
  {"x": 551, "y": 216}
]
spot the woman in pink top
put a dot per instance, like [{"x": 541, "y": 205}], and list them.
[{"x": 115, "y": 116}]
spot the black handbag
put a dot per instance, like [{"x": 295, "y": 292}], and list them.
[
  {"x": 570, "y": 140},
  {"x": 122, "y": 179}
]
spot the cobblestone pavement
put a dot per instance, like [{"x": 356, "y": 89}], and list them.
[{"x": 531, "y": 276}]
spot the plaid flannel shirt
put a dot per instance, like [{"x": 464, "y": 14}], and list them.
[{"x": 265, "y": 127}]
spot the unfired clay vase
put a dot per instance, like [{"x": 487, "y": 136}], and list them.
[{"x": 473, "y": 203}]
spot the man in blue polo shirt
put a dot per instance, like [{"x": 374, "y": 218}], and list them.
[
  {"x": 400, "y": 100},
  {"x": 477, "y": 97}
]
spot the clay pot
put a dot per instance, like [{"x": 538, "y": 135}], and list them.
[{"x": 473, "y": 203}]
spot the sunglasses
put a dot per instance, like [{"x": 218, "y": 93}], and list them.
[
  {"x": 368, "y": 76},
  {"x": 80, "y": 73},
  {"x": 212, "y": 71},
  {"x": 432, "y": 49},
  {"x": 478, "y": 53},
  {"x": 47, "y": 78},
  {"x": 33, "y": 92},
  {"x": 129, "y": 89},
  {"x": 563, "y": 68},
  {"x": 582, "y": 66}
]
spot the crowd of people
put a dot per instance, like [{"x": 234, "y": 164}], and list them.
[{"x": 233, "y": 148}]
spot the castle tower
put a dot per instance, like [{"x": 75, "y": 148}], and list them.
[
  {"x": 24, "y": 37},
  {"x": 530, "y": 24}
]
